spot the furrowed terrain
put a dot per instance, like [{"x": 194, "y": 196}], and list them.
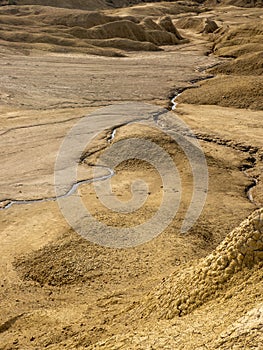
[{"x": 61, "y": 61}]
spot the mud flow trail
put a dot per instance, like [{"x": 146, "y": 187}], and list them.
[{"x": 120, "y": 119}]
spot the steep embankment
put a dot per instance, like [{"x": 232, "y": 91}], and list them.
[
  {"x": 239, "y": 82},
  {"x": 191, "y": 287},
  {"x": 214, "y": 303}
]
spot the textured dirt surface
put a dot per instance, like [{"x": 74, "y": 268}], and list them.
[
  {"x": 72, "y": 30},
  {"x": 196, "y": 290}
]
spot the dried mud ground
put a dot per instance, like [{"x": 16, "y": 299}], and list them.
[{"x": 58, "y": 290}]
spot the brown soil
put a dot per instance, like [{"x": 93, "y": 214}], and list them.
[
  {"x": 198, "y": 24},
  {"x": 247, "y": 64},
  {"x": 196, "y": 290},
  {"x": 227, "y": 91},
  {"x": 64, "y": 30},
  {"x": 240, "y": 81},
  {"x": 89, "y": 5},
  {"x": 236, "y": 40}
]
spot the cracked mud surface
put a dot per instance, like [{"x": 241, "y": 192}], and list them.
[{"x": 200, "y": 290}]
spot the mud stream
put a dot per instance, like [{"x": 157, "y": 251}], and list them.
[{"x": 8, "y": 203}]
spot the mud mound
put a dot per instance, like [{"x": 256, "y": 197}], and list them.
[
  {"x": 72, "y": 4},
  {"x": 54, "y": 43},
  {"x": 239, "y": 39},
  {"x": 26, "y": 48},
  {"x": 16, "y": 21},
  {"x": 167, "y": 24},
  {"x": 162, "y": 38},
  {"x": 80, "y": 4},
  {"x": 228, "y": 91},
  {"x": 125, "y": 29},
  {"x": 188, "y": 289},
  {"x": 64, "y": 30},
  {"x": 163, "y": 32},
  {"x": 125, "y": 44},
  {"x": 197, "y": 24},
  {"x": 242, "y": 84},
  {"x": 148, "y": 24},
  {"x": 209, "y": 26},
  {"x": 42, "y": 15},
  {"x": 76, "y": 19},
  {"x": 17, "y": 36},
  {"x": 250, "y": 64},
  {"x": 241, "y": 3},
  {"x": 71, "y": 261},
  {"x": 239, "y": 50},
  {"x": 119, "y": 29}
]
